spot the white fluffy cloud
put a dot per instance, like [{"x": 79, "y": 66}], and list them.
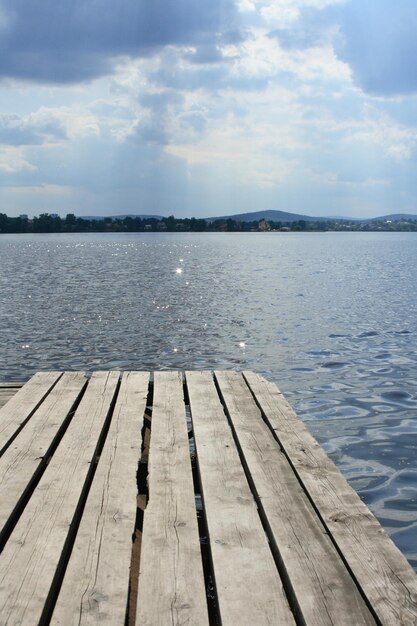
[{"x": 12, "y": 160}]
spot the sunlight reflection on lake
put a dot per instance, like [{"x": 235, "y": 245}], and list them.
[{"x": 330, "y": 317}]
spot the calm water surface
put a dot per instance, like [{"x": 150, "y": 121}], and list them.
[{"x": 330, "y": 317}]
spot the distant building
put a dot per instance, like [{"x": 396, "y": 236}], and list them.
[
  {"x": 263, "y": 226},
  {"x": 24, "y": 216}
]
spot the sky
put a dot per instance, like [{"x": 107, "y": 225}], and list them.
[{"x": 197, "y": 108}]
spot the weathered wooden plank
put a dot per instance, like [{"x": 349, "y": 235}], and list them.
[
  {"x": 171, "y": 582},
  {"x": 248, "y": 585},
  {"x": 7, "y": 391},
  {"x": 23, "y": 404},
  {"x": 32, "y": 554},
  {"x": 324, "y": 590},
  {"x": 10, "y": 386},
  {"x": 96, "y": 583},
  {"x": 384, "y": 575},
  {"x": 5, "y": 396},
  {"x": 28, "y": 454}
]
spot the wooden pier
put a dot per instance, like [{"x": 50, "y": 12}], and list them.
[{"x": 174, "y": 499}]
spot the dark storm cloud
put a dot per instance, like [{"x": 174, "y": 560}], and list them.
[
  {"x": 379, "y": 41},
  {"x": 74, "y": 40},
  {"x": 376, "y": 38}
]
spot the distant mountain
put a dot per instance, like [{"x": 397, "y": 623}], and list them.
[
  {"x": 395, "y": 217},
  {"x": 283, "y": 216},
  {"x": 271, "y": 215}
]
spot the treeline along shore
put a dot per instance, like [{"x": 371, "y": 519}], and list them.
[{"x": 52, "y": 223}]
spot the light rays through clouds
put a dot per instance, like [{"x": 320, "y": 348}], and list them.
[{"x": 189, "y": 107}]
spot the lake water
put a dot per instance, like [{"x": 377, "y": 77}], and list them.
[{"x": 330, "y": 317}]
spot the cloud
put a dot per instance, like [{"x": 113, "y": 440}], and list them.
[
  {"x": 156, "y": 118},
  {"x": 47, "y": 126},
  {"x": 308, "y": 30},
  {"x": 79, "y": 40},
  {"x": 394, "y": 141},
  {"x": 206, "y": 54},
  {"x": 378, "y": 40},
  {"x": 12, "y": 161},
  {"x": 201, "y": 108},
  {"x": 14, "y": 132},
  {"x": 33, "y": 130}
]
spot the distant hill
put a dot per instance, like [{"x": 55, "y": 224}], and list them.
[
  {"x": 283, "y": 216},
  {"x": 395, "y": 217},
  {"x": 270, "y": 215}
]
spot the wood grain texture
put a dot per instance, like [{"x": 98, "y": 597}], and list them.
[
  {"x": 7, "y": 391},
  {"x": 383, "y": 573},
  {"x": 96, "y": 583},
  {"x": 325, "y": 591},
  {"x": 23, "y": 404},
  {"x": 28, "y": 453},
  {"x": 171, "y": 582},
  {"x": 248, "y": 585},
  {"x": 31, "y": 556}
]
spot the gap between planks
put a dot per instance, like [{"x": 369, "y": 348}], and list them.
[{"x": 312, "y": 469}]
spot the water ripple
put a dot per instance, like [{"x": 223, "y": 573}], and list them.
[{"x": 329, "y": 317}]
